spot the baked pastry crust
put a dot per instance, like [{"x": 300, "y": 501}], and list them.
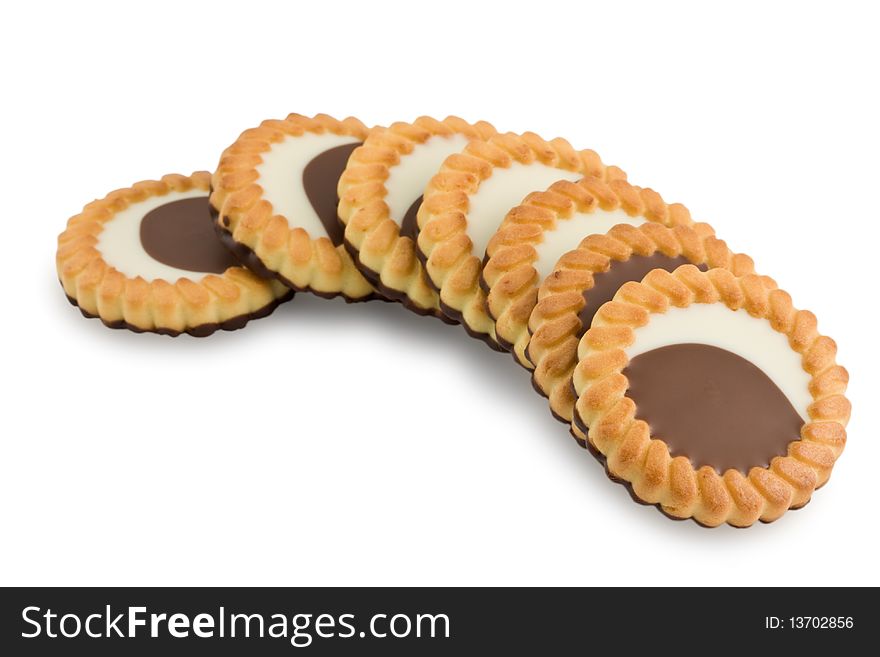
[
  {"x": 555, "y": 325},
  {"x": 267, "y": 242},
  {"x": 509, "y": 277},
  {"x": 223, "y": 301},
  {"x": 443, "y": 241},
  {"x": 373, "y": 238},
  {"x": 673, "y": 484}
]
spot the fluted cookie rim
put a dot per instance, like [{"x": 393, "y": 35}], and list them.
[
  {"x": 509, "y": 278},
  {"x": 444, "y": 245},
  {"x": 673, "y": 484},
  {"x": 246, "y": 222},
  {"x": 554, "y": 324},
  {"x": 200, "y": 307},
  {"x": 373, "y": 238}
]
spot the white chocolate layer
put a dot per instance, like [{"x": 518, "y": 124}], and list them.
[
  {"x": 407, "y": 179},
  {"x": 568, "y": 233},
  {"x": 737, "y": 331},
  {"x": 119, "y": 242},
  {"x": 281, "y": 174},
  {"x": 503, "y": 190}
]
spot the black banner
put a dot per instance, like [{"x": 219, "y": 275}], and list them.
[{"x": 420, "y": 621}]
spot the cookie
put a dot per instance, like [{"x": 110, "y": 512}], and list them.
[
  {"x": 591, "y": 274},
  {"x": 534, "y": 235},
  {"x": 380, "y": 192},
  {"x": 274, "y": 194},
  {"x": 147, "y": 258},
  {"x": 465, "y": 202},
  {"x": 711, "y": 396}
]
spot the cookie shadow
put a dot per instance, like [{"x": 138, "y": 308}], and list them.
[{"x": 494, "y": 370}]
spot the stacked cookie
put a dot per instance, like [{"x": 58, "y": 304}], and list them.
[{"x": 691, "y": 377}]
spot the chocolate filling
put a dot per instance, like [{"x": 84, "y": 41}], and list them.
[
  {"x": 319, "y": 180},
  {"x": 181, "y": 234},
  {"x": 712, "y": 406},
  {"x": 409, "y": 227},
  {"x": 605, "y": 284}
]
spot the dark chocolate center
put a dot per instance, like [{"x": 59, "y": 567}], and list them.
[
  {"x": 605, "y": 284},
  {"x": 712, "y": 406},
  {"x": 181, "y": 234},
  {"x": 319, "y": 180},
  {"x": 409, "y": 227}
]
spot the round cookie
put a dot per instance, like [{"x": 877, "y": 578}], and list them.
[
  {"x": 589, "y": 276},
  {"x": 711, "y": 396},
  {"x": 466, "y": 201},
  {"x": 533, "y": 236},
  {"x": 380, "y": 192},
  {"x": 147, "y": 258},
  {"x": 274, "y": 194}
]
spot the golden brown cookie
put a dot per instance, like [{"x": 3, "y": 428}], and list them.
[
  {"x": 380, "y": 192},
  {"x": 712, "y": 396},
  {"x": 533, "y": 236},
  {"x": 466, "y": 201},
  {"x": 591, "y": 274},
  {"x": 275, "y": 196},
  {"x": 147, "y": 258}
]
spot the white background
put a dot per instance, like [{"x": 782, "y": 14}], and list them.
[{"x": 360, "y": 444}]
